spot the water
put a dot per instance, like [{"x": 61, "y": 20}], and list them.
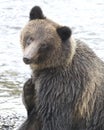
[{"x": 85, "y": 17}]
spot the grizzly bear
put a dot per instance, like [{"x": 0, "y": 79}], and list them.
[{"x": 66, "y": 89}]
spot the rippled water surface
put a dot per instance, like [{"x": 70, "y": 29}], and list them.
[{"x": 85, "y": 17}]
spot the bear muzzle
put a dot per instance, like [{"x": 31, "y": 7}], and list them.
[{"x": 30, "y": 53}]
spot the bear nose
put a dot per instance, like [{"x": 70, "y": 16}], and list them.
[{"x": 26, "y": 60}]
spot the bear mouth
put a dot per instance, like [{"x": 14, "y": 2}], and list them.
[{"x": 38, "y": 60}]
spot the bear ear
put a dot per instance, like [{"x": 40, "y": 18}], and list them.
[
  {"x": 36, "y": 13},
  {"x": 64, "y": 32}
]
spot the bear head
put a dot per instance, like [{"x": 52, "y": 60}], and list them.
[{"x": 45, "y": 43}]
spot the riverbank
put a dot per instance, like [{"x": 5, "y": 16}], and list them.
[{"x": 10, "y": 121}]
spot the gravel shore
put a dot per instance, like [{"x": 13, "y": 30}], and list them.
[{"x": 11, "y": 121}]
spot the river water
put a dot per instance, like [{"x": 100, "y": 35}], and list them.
[{"x": 85, "y": 17}]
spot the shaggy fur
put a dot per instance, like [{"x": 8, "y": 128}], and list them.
[{"x": 66, "y": 90}]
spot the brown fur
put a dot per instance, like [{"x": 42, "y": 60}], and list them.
[
  {"x": 44, "y": 32},
  {"x": 66, "y": 90}
]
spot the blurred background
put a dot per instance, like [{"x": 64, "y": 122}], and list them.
[{"x": 86, "y": 19}]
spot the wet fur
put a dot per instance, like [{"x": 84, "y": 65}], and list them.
[
  {"x": 71, "y": 97},
  {"x": 66, "y": 95}
]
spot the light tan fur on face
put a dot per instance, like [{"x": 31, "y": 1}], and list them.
[
  {"x": 40, "y": 30},
  {"x": 31, "y": 50},
  {"x": 44, "y": 31}
]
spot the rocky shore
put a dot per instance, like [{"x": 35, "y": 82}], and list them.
[{"x": 11, "y": 121}]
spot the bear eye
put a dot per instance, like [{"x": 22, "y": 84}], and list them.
[
  {"x": 44, "y": 47},
  {"x": 29, "y": 40}
]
